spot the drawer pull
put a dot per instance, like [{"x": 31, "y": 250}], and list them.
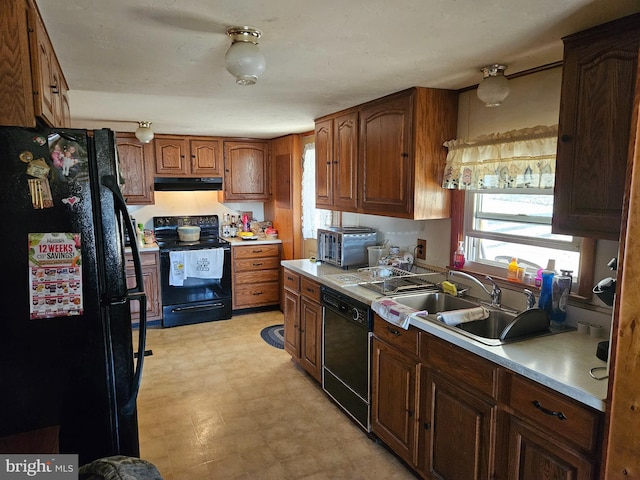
[
  {"x": 290, "y": 279},
  {"x": 393, "y": 331},
  {"x": 257, "y": 293},
  {"x": 257, "y": 264},
  {"x": 256, "y": 251},
  {"x": 546, "y": 411}
]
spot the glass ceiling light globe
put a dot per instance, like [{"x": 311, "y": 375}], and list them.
[
  {"x": 144, "y": 132},
  {"x": 494, "y": 88},
  {"x": 244, "y": 60}
]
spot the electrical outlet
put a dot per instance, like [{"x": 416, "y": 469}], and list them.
[{"x": 421, "y": 251}]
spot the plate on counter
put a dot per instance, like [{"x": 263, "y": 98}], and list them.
[{"x": 255, "y": 237}]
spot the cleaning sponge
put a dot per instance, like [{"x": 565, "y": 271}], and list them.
[{"x": 450, "y": 288}]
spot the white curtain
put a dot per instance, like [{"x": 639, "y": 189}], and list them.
[
  {"x": 312, "y": 217},
  {"x": 523, "y": 158}
]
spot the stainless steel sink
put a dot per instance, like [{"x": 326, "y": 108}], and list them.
[
  {"x": 499, "y": 328},
  {"x": 434, "y": 302}
]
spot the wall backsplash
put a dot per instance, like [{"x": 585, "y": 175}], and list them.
[{"x": 191, "y": 203}]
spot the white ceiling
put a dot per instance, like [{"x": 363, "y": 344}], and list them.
[{"x": 163, "y": 60}]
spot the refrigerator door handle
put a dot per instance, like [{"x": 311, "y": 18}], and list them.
[{"x": 135, "y": 293}]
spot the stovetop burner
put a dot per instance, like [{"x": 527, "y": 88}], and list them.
[{"x": 166, "y": 232}]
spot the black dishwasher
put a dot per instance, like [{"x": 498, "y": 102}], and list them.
[{"x": 346, "y": 354}]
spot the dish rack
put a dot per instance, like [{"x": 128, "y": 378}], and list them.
[{"x": 391, "y": 280}]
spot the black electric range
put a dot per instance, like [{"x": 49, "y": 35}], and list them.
[{"x": 188, "y": 300}]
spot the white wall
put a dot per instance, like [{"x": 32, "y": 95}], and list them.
[{"x": 191, "y": 203}]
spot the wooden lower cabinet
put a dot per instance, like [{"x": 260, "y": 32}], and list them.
[
  {"x": 256, "y": 276},
  {"x": 303, "y": 322},
  {"x": 450, "y": 414},
  {"x": 393, "y": 399},
  {"x": 151, "y": 279},
  {"x": 457, "y": 432},
  {"x": 534, "y": 455}
]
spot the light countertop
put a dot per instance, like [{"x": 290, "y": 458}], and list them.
[
  {"x": 148, "y": 247},
  {"x": 236, "y": 241},
  {"x": 560, "y": 362}
]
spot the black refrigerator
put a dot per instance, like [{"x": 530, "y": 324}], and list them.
[{"x": 66, "y": 348}]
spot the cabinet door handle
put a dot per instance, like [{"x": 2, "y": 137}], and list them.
[
  {"x": 546, "y": 411},
  {"x": 427, "y": 425},
  {"x": 393, "y": 331},
  {"x": 410, "y": 413},
  {"x": 565, "y": 138},
  {"x": 404, "y": 155}
]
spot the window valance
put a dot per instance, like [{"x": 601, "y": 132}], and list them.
[{"x": 523, "y": 158}]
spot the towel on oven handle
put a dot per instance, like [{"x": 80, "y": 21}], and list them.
[
  {"x": 176, "y": 268},
  {"x": 205, "y": 263}
]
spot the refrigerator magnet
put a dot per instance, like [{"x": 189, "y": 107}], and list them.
[
  {"x": 40, "y": 140},
  {"x": 26, "y": 156},
  {"x": 38, "y": 168},
  {"x": 71, "y": 201}
]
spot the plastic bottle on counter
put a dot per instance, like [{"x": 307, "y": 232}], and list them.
[
  {"x": 458, "y": 256},
  {"x": 512, "y": 270},
  {"x": 545, "y": 302},
  {"x": 226, "y": 226},
  {"x": 560, "y": 297},
  {"x": 246, "y": 225},
  {"x": 140, "y": 234}
]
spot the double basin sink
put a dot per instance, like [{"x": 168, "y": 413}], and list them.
[{"x": 500, "y": 327}]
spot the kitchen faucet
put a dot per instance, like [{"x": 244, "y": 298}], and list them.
[
  {"x": 531, "y": 298},
  {"x": 495, "y": 294}
]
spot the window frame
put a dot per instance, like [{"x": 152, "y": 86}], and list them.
[{"x": 459, "y": 212}]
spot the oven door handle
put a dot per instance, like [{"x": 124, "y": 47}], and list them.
[
  {"x": 135, "y": 293},
  {"x": 209, "y": 306}
]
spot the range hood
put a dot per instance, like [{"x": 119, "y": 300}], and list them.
[{"x": 183, "y": 184}]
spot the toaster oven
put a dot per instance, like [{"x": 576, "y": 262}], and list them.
[{"x": 345, "y": 246}]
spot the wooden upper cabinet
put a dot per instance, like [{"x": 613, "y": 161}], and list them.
[
  {"x": 337, "y": 162},
  {"x": 401, "y": 156},
  {"x": 206, "y": 157},
  {"x": 136, "y": 167},
  {"x": 171, "y": 155},
  {"x": 324, "y": 163},
  {"x": 598, "y": 81},
  {"x": 31, "y": 81},
  {"x": 182, "y": 156},
  {"x": 246, "y": 171},
  {"x": 386, "y": 157}
]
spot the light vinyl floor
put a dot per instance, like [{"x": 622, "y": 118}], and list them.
[{"x": 217, "y": 402}]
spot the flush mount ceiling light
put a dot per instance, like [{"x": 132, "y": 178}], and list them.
[
  {"x": 244, "y": 59},
  {"x": 144, "y": 132},
  {"x": 494, "y": 87}
]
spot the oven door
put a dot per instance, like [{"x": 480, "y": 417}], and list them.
[{"x": 197, "y": 299}]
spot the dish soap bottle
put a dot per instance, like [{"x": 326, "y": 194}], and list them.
[
  {"x": 458, "y": 256},
  {"x": 512, "y": 270},
  {"x": 545, "y": 302}
]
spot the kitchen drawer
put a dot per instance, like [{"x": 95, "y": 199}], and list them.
[
  {"x": 456, "y": 362},
  {"x": 256, "y": 276},
  {"x": 310, "y": 289},
  {"x": 405, "y": 340},
  {"x": 253, "y": 264},
  {"x": 548, "y": 410},
  {"x": 256, "y": 251},
  {"x": 146, "y": 259},
  {"x": 256, "y": 295},
  {"x": 291, "y": 281}
]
